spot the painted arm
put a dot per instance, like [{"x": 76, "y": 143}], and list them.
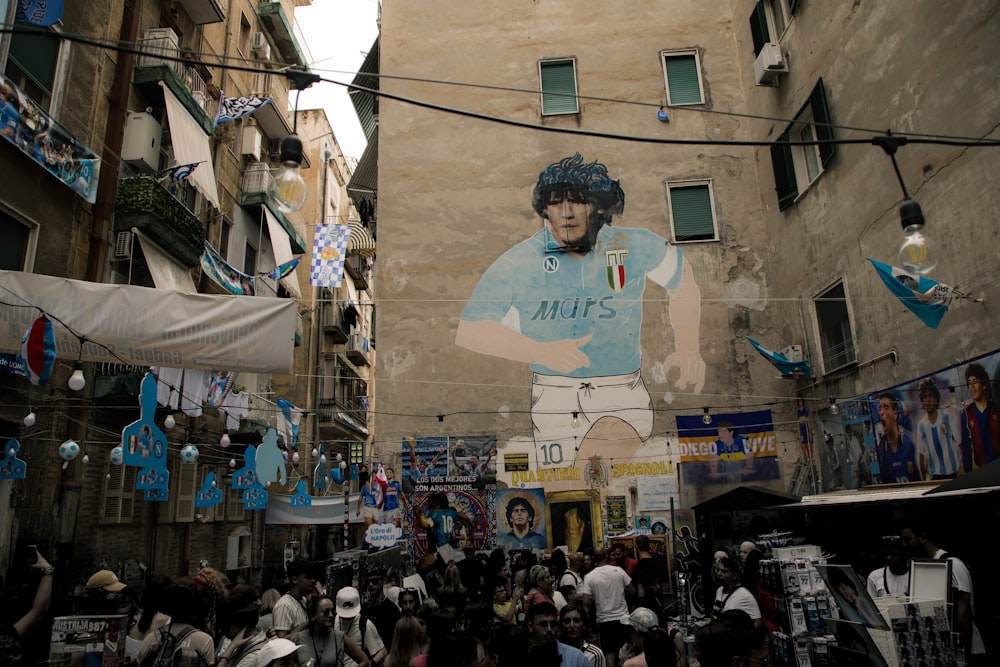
[
  {"x": 489, "y": 457},
  {"x": 43, "y": 595},
  {"x": 436, "y": 459},
  {"x": 498, "y": 340},
  {"x": 684, "y": 311}
]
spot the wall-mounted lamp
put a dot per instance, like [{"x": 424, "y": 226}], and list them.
[
  {"x": 706, "y": 418},
  {"x": 916, "y": 253}
]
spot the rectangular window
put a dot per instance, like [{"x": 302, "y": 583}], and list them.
[
  {"x": 682, "y": 72},
  {"x": 692, "y": 211},
  {"x": 118, "y": 495},
  {"x": 243, "y": 41},
  {"x": 16, "y": 248},
  {"x": 796, "y": 166},
  {"x": 558, "y": 87},
  {"x": 833, "y": 320},
  {"x": 227, "y": 229},
  {"x": 249, "y": 260},
  {"x": 36, "y": 64},
  {"x": 769, "y": 20}
]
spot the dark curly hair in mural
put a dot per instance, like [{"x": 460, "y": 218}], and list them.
[{"x": 570, "y": 178}]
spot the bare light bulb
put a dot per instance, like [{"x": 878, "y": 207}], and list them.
[
  {"x": 343, "y": 465},
  {"x": 224, "y": 441},
  {"x": 86, "y": 458},
  {"x": 706, "y": 418},
  {"x": 576, "y": 420},
  {"x": 315, "y": 452},
  {"x": 917, "y": 252},
  {"x": 322, "y": 458},
  {"x": 295, "y": 457},
  {"x": 169, "y": 422},
  {"x": 287, "y": 186},
  {"x": 232, "y": 463},
  {"x": 29, "y": 419},
  {"x": 76, "y": 380},
  {"x": 834, "y": 408}
]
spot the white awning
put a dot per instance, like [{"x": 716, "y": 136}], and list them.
[
  {"x": 361, "y": 241},
  {"x": 167, "y": 274},
  {"x": 191, "y": 145},
  {"x": 282, "y": 251}
]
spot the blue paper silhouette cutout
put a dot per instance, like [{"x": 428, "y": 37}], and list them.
[
  {"x": 144, "y": 444},
  {"x": 12, "y": 467},
  {"x": 300, "y": 498},
  {"x": 255, "y": 498},
  {"x": 270, "y": 462},
  {"x": 246, "y": 476},
  {"x": 155, "y": 495},
  {"x": 209, "y": 495}
]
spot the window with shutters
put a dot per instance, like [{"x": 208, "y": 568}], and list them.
[
  {"x": 18, "y": 249},
  {"x": 833, "y": 323},
  {"x": 769, "y": 20},
  {"x": 179, "y": 507},
  {"x": 558, "y": 79},
  {"x": 692, "y": 211},
  {"x": 232, "y": 498},
  {"x": 682, "y": 74},
  {"x": 800, "y": 155},
  {"x": 118, "y": 497}
]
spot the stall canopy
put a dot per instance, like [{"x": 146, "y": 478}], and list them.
[{"x": 985, "y": 477}]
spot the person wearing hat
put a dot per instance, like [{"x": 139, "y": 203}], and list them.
[
  {"x": 349, "y": 621},
  {"x": 238, "y": 619},
  {"x": 106, "y": 595},
  {"x": 641, "y": 622},
  {"x": 278, "y": 652}
]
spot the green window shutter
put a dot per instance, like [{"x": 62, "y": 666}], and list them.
[
  {"x": 821, "y": 116},
  {"x": 784, "y": 172},
  {"x": 758, "y": 27},
  {"x": 691, "y": 209},
  {"x": 682, "y": 78},
  {"x": 558, "y": 87}
]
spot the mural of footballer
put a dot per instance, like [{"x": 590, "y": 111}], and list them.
[{"x": 568, "y": 301}]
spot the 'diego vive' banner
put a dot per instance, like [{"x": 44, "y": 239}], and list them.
[
  {"x": 146, "y": 326},
  {"x": 734, "y": 448}
]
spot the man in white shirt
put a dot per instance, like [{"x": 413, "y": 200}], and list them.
[
  {"x": 289, "y": 612},
  {"x": 606, "y": 585},
  {"x": 894, "y": 577},
  {"x": 731, "y": 594}
]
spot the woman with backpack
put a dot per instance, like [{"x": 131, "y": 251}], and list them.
[
  {"x": 180, "y": 643},
  {"x": 323, "y": 643}
]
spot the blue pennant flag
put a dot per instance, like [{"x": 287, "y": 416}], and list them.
[
  {"x": 43, "y": 13},
  {"x": 234, "y": 108},
  {"x": 927, "y": 299},
  {"x": 179, "y": 172},
  {"x": 784, "y": 365},
  {"x": 282, "y": 270}
]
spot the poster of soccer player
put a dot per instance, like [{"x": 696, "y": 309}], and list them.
[{"x": 735, "y": 448}]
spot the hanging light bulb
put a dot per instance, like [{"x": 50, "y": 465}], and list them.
[
  {"x": 340, "y": 457},
  {"x": 834, "y": 408},
  {"x": 706, "y": 418},
  {"x": 29, "y": 419},
  {"x": 86, "y": 458},
  {"x": 315, "y": 452},
  {"x": 224, "y": 441},
  {"x": 169, "y": 422},
  {"x": 232, "y": 463},
  {"x": 576, "y": 420},
  {"x": 76, "y": 380},
  {"x": 287, "y": 186},
  {"x": 916, "y": 254},
  {"x": 322, "y": 458},
  {"x": 295, "y": 457},
  {"x": 343, "y": 465}
]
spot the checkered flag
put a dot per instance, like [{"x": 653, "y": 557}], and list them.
[{"x": 329, "y": 253}]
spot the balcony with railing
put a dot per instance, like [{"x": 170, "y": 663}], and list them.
[
  {"x": 254, "y": 192},
  {"x": 343, "y": 401},
  {"x": 157, "y": 65},
  {"x": 275, "y": 22},
  {"x": 146, "y": 205}
]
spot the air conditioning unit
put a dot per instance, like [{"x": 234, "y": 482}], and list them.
[
  {"x": 141, "y": 143},
  {"x": 251, "y": 142},
  {"x": 769, "y": 65},
  {"x": 259, "y": 46},
  {"x": 792, "y": 353},
  {"x": 123, "y": 245}
]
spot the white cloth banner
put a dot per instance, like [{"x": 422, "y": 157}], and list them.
[
  {"x": 155, "y": 327},
  {"x": 327, "y": 510}
]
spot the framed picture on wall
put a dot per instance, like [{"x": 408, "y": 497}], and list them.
[{"x": 573, "y": 520}]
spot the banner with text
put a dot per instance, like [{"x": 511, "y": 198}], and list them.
[{"x": 735, "y": 448}]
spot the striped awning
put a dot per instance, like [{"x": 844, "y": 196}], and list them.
[{"x": 361, "y": 240}]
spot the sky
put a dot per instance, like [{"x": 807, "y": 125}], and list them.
[{"x": 338, "y": 35}]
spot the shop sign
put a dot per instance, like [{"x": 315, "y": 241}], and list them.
[
  {"x": 515, "y": 462},
  {"x": 636, "y": 469},
  {"x": 547, "y": 475},
  {"x": 617, "y": 514},
  {"x": 654, "y": 493}
]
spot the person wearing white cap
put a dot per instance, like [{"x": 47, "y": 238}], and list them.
[
  {"x": 641, "y": 621},
  {"x": 278, "y": 653},
  {"x": 349, "y": 622}
]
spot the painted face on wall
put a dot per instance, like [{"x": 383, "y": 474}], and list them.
[
  {"x": 887, "y": 412},
  {"x": 567, "y": 215},
  {"x": 977, "y": 389}
]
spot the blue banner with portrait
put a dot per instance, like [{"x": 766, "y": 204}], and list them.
[
  {"x": 732, "y": 448},
  {"x": 27, "y": 126}
]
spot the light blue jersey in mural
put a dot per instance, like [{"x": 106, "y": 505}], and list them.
[{"x": 552, "y": 295}]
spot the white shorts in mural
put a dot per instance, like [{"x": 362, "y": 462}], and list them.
[
  {"x": 370, "y": 513},
  {"x": 391, "y": 516},
  {"x": 554, "y": 399}
]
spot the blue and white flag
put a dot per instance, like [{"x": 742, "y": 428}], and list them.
[
  {"x": 282, "y": 270},
  {"x": 234, "y": 108},
  {"x": 329, "y": 252},
  {"x": 784, "y": 365},
  {"x": 289, "y": 419},
  {"x": 927, "y": 299},
  {"x": 179, "y": 172}
]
